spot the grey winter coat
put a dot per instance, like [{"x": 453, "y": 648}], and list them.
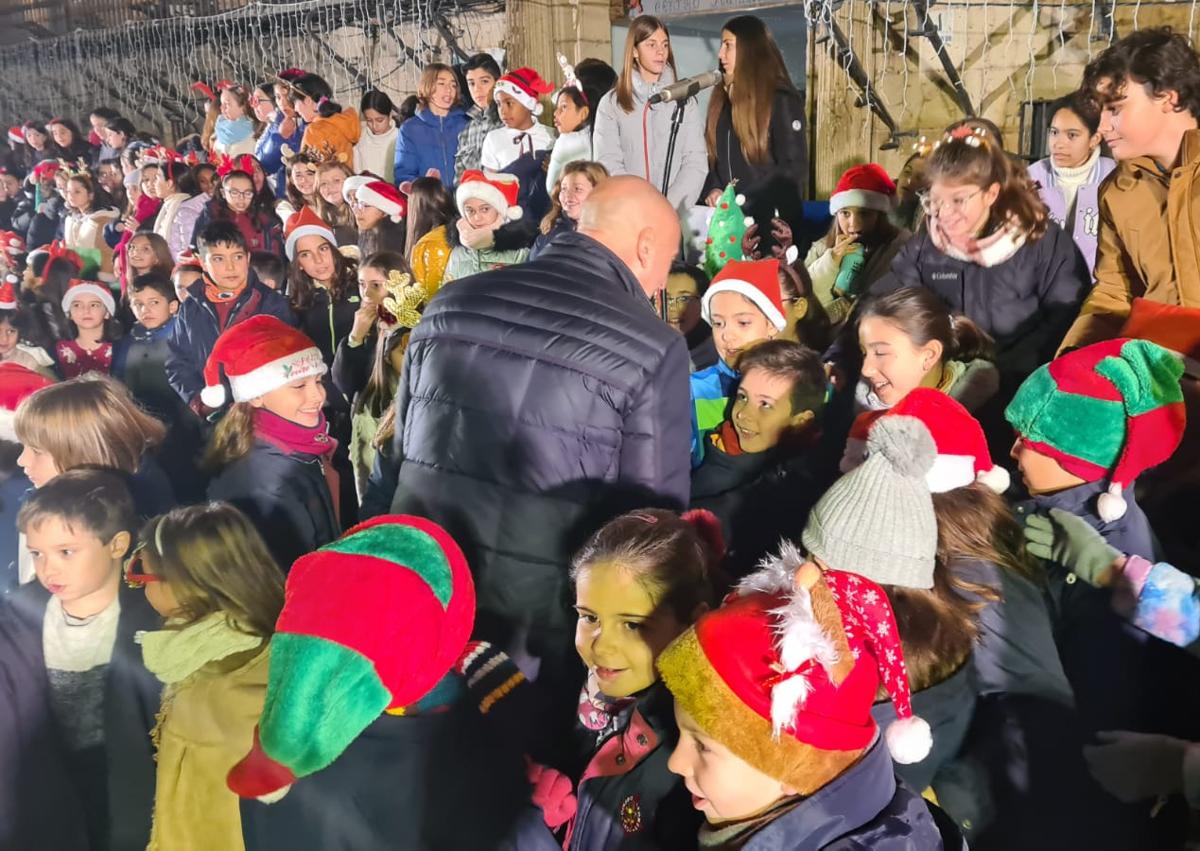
[{"x": 617, "y": 141}]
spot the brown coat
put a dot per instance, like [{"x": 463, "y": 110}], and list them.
[
  {"x": 1149, "y": 243},
  {"x": 206, "y": 726}
]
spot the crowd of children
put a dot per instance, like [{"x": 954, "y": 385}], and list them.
[{"x": 933, "y": 587}]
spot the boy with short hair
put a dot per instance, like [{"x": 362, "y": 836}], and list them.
[
  {"x": 227, "y": 293},
  {"x": 77, "y": 701},
  {"x": 1148, "y": 86},
  {"x": 482, "y": 72},
  {"x": 140, "y": 362},
  {"x": 743, "y": 305},
  {"x": 773, "y": 694},
  {"x": 270, "y": 268},
  {"x": 760, "y": 474}
]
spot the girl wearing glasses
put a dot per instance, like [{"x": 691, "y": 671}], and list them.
[
  {"x": 207, "y": 572},
  {"x": 991, "y": 252},
  {"x": 238, "y": 200}
]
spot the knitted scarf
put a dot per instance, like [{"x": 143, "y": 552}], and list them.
[
  {"x": 232, "y": 132},
  {"x": 173, "y": 655},
  {"x": 987, "y": 251},
  {"x": 293, "y": 438}
]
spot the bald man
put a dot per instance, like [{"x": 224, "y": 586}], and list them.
[{"x": 537, "y": 402}]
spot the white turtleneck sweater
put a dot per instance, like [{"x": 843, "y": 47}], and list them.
[{"x": 1070, "y": 179}]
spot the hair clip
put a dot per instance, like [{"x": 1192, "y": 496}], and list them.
[
  {"x": 968, "y": 135},
  {"x": 321, "y": 101},
  {"x": 570, "y": 81}
]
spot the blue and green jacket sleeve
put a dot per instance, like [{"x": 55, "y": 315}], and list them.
[{"x": 711, "y": 389}]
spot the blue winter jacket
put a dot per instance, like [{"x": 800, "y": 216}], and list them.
[
  {"x": 865, "y": 807},
  {"x": 269, "y": 151},
  {"x": 197, "y": 328},
  {"x": 429, "y": 141}
]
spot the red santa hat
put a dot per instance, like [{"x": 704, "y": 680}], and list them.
[
  {"x": 16, "y": 135},
  {"x": 867, "y": 186},
  {"x": 382, "y": 196},
  {"x": 16, "y": 384},
  {"x": 790, "y": 665},
  {"x": 8, "y": 294},
  {"x": 757, "y": 280},
  {"x": 255, "y": 357},
  {"x": 305, "y": 222},
  {"x": 524, "y": 85},
  {"x": 499, "y": 190},
  {"x": 11, "y": 243},
  {"x": 962, "y": 451},
  {"x": 79, "y": 288}
]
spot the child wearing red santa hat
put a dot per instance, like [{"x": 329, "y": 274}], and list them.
[
  {"x": 861, "y": 242},
  {"x": 486, "y": 203},
  {"x": 518, "y": 99},
  {"x": 271, "y": 452}
]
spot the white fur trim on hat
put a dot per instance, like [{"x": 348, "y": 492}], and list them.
[
  {"x": 747, "y": 289},
  {"x": 98, "y": 291},
  {"x": 863, "y": 198},
  {"x": 369, "y": 197},
  {"x": 518, "y": 94},
  {"x": 307, "y": 230},
  {"x": 8, "y": 425},
  {"x": 353, "y": 183},
  {"x": 950, "y": 472},
  {"x": 275, "y": 374},
  {"x": 489, "y": 195}
]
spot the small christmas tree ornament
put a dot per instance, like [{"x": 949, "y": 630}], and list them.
[{"x": 725, "y": 231}]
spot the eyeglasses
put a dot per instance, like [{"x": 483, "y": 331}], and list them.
[
  {"x": 934, "y": 208},
  {"x": 135, "y": 577},
  {"x": 681, "y": 301},
  {"x": 242, "y": 194}
]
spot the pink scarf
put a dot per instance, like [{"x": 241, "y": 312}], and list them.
[
  {"x": 986, "y": 251},
  {"x": 291, "y": 437}
]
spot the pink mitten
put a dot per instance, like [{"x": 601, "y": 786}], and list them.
[{"x": 553, "y": 793}]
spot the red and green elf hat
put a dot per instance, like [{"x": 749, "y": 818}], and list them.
[
  {"x": 1110, "y": 410},
  {"x": 371, "y": 623},
  {"x": 785, "y": 676}
]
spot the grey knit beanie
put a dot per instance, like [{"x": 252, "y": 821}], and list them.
[{"x": 878, "y": 520}]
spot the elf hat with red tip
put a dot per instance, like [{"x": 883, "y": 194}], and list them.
[
  {"x": 867, "y": 186},
  {"x": 499, "y": 190},
  {"x": 382, "y": 196},
  {"x": 373, "y": 623},
  {"x": 255, "y": 357},
  {"x": 1110, "y": 410},
  {"x": 16, "y": 384},
  {"x": 524, "y": 85},
  {"x": 305, "y": 222},
  {"x": 785, "y": 672},
  {"x": 962, "y": 451},
  {"x": 757, "y": 280},
  {"x": 8, "y": 295}
]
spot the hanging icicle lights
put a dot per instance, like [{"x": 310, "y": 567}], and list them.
[{"x": 145, "y": 69}]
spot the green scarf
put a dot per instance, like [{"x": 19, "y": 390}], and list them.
[{"x": 173, "y": 655}]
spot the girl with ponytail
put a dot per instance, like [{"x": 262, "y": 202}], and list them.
[{"x": 909, "y": 340}]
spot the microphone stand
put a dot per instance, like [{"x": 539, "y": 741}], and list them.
[{"x": 676, "y": 123}]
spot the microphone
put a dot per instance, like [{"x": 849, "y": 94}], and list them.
[{"x": 689, "y": 87}]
